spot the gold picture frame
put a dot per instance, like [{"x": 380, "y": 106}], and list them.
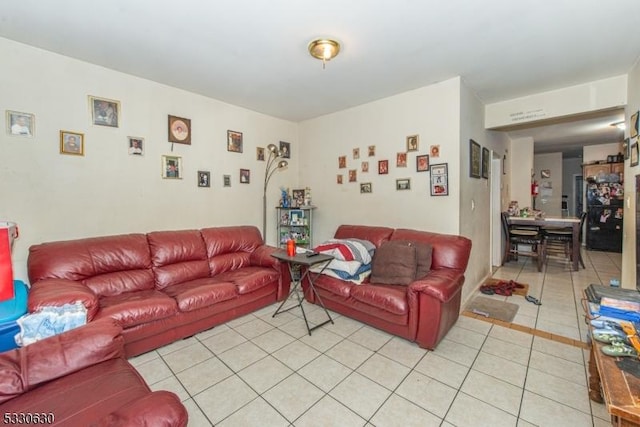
[{"x": 71, "y": 143}]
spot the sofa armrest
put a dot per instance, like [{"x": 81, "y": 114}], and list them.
[
  {"x": 160, "y": 408},
  {"x": 24, "y": 368},
  {"x": 441, "y": 284},
  {"x": 57, "y": 292},
  {"x": 261, "y": 257}
]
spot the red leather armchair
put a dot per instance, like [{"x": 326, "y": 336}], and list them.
[{"x": 81, "y": 378}]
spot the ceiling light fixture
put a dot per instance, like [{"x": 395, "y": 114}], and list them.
[
  {"x": 620, "y": 125},
  {"x": 324, "y": 49}
]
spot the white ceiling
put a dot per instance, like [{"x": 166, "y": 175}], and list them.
[{"x": 253, "y": 53}]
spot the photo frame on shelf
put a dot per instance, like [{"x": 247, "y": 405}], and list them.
[
  {"x": 71, "y": 143},
  {"x": 412, "y": 143},
  {"x": 475, "y": 159},
  {"x": 403, "y": 184},
  {"x": 633, "y": 127},
  {"x": 486, "y": 157},
  {"x": 21, "y": 124},
  {"x": 634, "y": 155},
  {"x": 204, "y": 179},
  {"x": 297, "y": 197},
  {"x": 383, "y": 167},
  {"x": 296, "y": 217},
  {"x": 171, "y": 167},
  {"x": 179, "y": 130},
  {"x": 422, "y": 163},
  {"x": 365, "y": 187},
  {"x": 135, "y": 145},
  {"x": 234, "y": 141},
  {"x": 104, "y": 112},
  {"x": 439, "y": 180}
]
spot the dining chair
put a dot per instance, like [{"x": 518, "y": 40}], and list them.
[
  {"x": 518, "y": 236},
  {"x": 562, "y": 239}
]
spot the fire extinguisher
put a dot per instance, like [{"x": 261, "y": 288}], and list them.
[{"x": 534, "y": 188}]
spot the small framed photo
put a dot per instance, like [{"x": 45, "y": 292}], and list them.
[
  {"x": 339, "y": 179},
  {"x": 171, "y": 167},
  {"x": 204, "y": 179},
  {"x": 20, "y": 124},
  {"x": 245, "y": 176},
  {"x": 403, "y": 184},
  {"x": 296, "y": 217},
  {"x": 71, "y": 143},
  {"x": 135, "y": 145},
  {"x": 439, "y": 180},
  {"x": 179, "y": 130},
  {"x": 401, "y": 160},
  {"x": 625, "y": 148},
  {"x": 485, "y": 162},
  {"x": 234, "y": 141},
  {"x": 260, "y": 153},
  {"x": 285, "y": 150},
  {"x": 226, "y": 180},
  {"x": 422, "y": 163},
  {"x": 342, "y": 162},
  {"x": 365, "y": 187},
  {"x": 353, "y": 175},
  {"x": 297, "y": 197},
  {"x": 545, "y": 173},
  {"x": 356, "y": 153},
  {"x": 633, "y": 128},
  {"x": 475, "y": 159},
  {"x": 365, "y": 166},
  {"x": 383, "y": 167},
  {"x": 104, "y": 112},
  {"x": 412, "y": 143},
  {"x": 434, "y": 150},
  {"x": 371, "y": 150},
  {"x": 634, "y": 155}
]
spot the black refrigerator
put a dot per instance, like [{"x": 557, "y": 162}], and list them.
[{"x": 605, "y": 206}]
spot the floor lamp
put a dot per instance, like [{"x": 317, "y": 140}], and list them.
[{"x": 273, "y": 165}]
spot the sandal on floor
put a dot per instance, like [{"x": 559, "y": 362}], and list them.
[
  {"x": 617, "y": 349},
  {"x": 533, "y": 300},
  {"x": 486, "y": 290}
]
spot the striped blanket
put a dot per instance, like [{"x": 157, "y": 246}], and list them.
[{"x": 350, "y": 255}]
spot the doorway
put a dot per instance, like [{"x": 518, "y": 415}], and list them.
[{"x": 495, "y": 196}]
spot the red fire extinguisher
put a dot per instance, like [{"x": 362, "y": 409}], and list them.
[{"x": 534, "y": 188}]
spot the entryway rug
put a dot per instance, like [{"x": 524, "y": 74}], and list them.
[
  {"x": 493, "y": 308},
  {"x": 505, "y": 284}
]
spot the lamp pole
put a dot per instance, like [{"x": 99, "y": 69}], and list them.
[{"x": 272, "y": 166}]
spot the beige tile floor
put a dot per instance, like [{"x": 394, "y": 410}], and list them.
[{"x": 264, "y": 371}]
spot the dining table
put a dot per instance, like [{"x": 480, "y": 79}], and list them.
[{"x": 555, "y": 221}]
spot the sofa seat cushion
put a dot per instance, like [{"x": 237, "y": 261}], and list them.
[
  {"x": 249, "y": 279},
  {"x": 134, "y": 308},
  {"x": 334, "y": 285},
  {"x": 386, "y": 297},
  {"x": 201, "y": 293}
]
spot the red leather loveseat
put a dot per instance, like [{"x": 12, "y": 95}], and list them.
[
  {"x": 161, "y": 286},
  {"x": 81, "y": 378},
  {"x": 422, "y": 311}
]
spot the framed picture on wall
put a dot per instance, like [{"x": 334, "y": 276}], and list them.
[
  {"x": 234, "y": 141},
  {"x": 172, "y": 167},
  {"x": 412, "y": 143},
  {"x": 179, "y": 130},
  {"x": 71, "y": 143},
  {"x": 485, "y": 162},
  {"x": 383, "y": 167},
  {"x": 439, "y": 180},
  {"x": 245, "y": 176},
  {"x": 204, "y": 179},
  {"x": 366, "y": 187},
  {"x": 135, "y": 145},
  {"x": 475, "y": 159},
  {"x": 633, "y": 128},
  {"x": 104, "y": 112},
  {"x": 226, "y": 180},
  {"x": 285, "y": 150},
  {"x": 260, "y": 153},
  {"x": 20, "y": 124},
  {"x": 403, "y": 184},
  {"x": 422, "y": 163},
  {"x": 634, "y": 155}
]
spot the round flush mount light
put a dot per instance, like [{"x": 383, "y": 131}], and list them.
[{"x": 324, "y": 49}]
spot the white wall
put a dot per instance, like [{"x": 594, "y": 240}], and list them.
[
  {"x": 432, "y": 112},
  {"x": 629, "y": 244},
  {"x": 520, "y": 165},
  {"x": 58, "y": 197},
  {"x": 549, "y": 199},
  {"x": 593, "y": 153}
]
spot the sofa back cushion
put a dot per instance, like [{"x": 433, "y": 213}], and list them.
[
  {"x": 177, "y": 257},
  {"x": 230, "y": 248},
  {"x": 107, "y": 265},
  {"x": 448, "y": 251},
  {"x": 376, "y": 235}
]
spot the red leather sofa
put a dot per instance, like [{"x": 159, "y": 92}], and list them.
[
  {"x": 423, "y": 311},
  {"x": 161, "y": 286},
  {"x": 81, "y": 378}
]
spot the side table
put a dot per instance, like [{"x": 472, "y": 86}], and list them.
[{"x": 304, "y": 262}]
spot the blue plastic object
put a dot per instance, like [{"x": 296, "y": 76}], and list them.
[{"x": 11, "y": 310}]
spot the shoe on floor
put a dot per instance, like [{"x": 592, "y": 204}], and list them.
[{"x": 618, "y": 349}]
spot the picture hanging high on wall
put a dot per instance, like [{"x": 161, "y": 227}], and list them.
[
  {"x": 71, "y": 143},
  {"x": 104, "y": 112},
  {"x": 204, "y": 179},
  {"x": 171, "y": 167},
  {"x": 475, "y": 159},
  {"x": 439, "y": 180},
  {"x": 179, "y": 130},
  {"x": 20, "y": 124},
  {"x": 135, "y": 145},
  {"x": 633, "y": 129},
  {"x": 285, "y": 150},
  {"x": 485, "y": 162},
  {"x": 234, "y": 141}
]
